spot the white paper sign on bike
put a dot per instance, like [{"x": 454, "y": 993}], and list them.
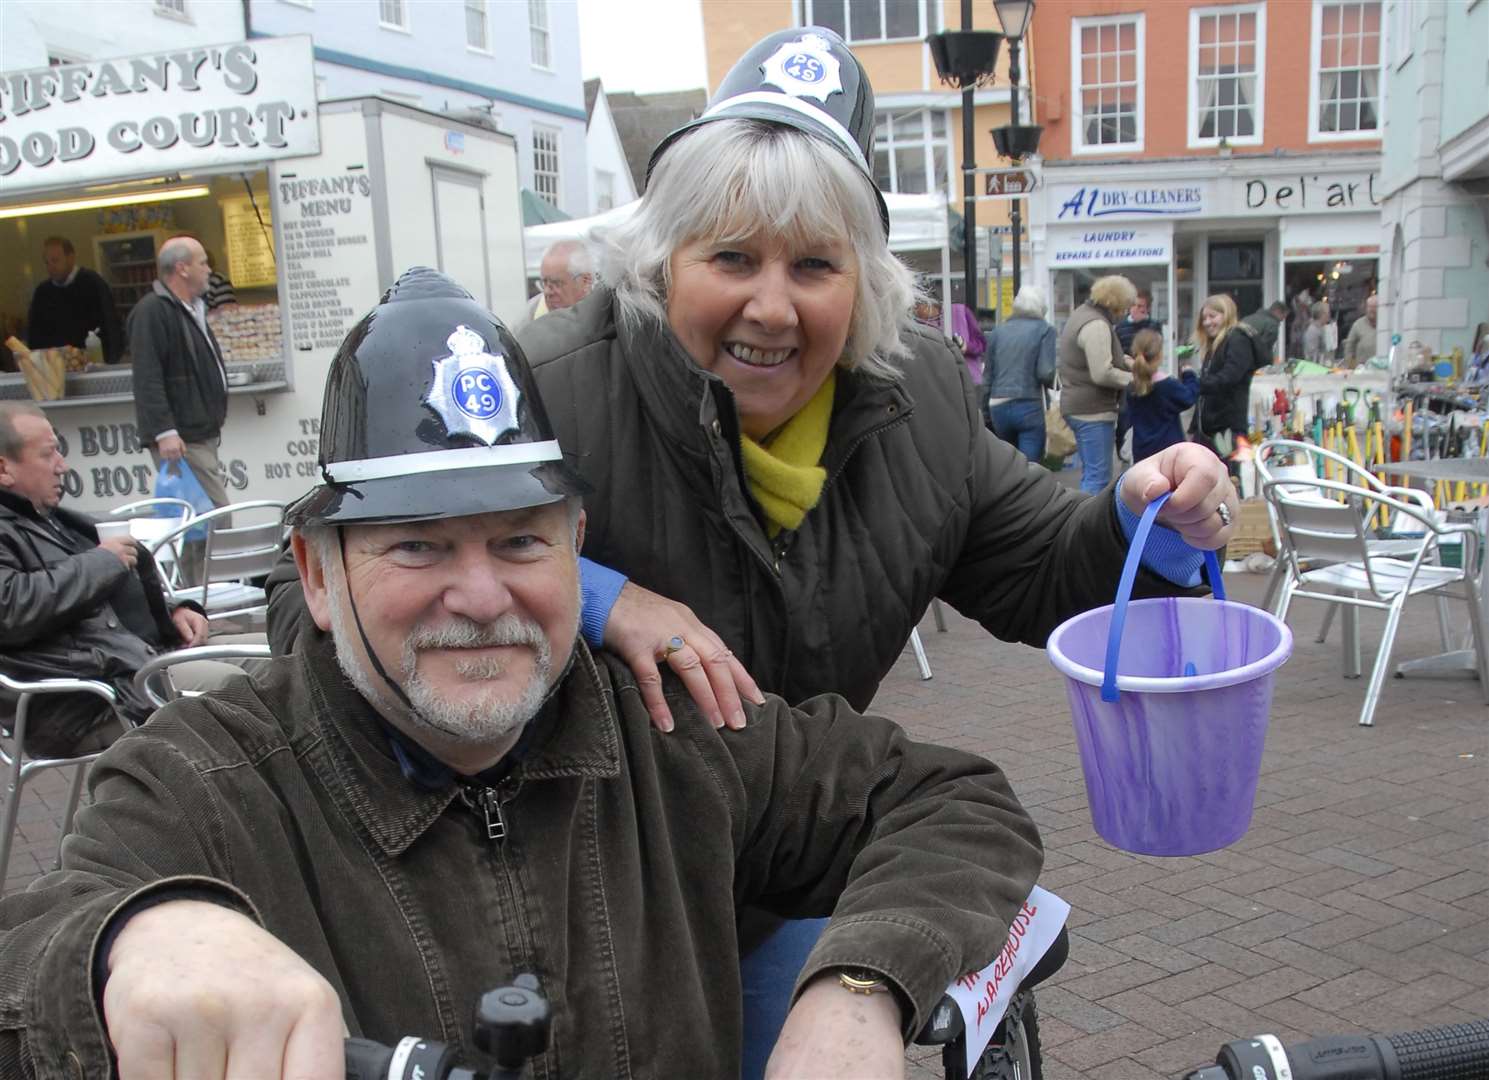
[{"x": 983, "y": 996}]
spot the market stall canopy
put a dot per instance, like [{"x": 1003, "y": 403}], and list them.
[
  {"x": 916, "y": 223},
  {"x": 537, "y": 210}
]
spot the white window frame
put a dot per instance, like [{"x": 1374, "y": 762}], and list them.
[
  {"x": 604, "y": 178},
  {"x": 1258, "y": 106},
  {"x": 930, "y": 19},
  {"x": 1078, "y": 144},
  {"x": 403, "y": 6},
  {"x": 172, "y": 9},
  {"x": 557, "y": 172},
  {"x": 484, "y": 6},
  {"x": 1315, "y": 57},
  {"x": 534, "y": 29},
  {"x": 1402, "y": 33},
  {"x": 927, "y": 143}
]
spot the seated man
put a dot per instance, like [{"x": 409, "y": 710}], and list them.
[
  {"x": 443, "y": 787},
  {"x": 75, "y": 606}
]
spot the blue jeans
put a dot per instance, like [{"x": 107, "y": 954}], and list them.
[
  {"x": 1021, "y": 422},
  {"x": 1094, "y": 441},
  {"x": 767, "y": 976}
]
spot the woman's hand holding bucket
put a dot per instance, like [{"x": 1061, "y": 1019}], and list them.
[{"x": 1200, "y": 484}]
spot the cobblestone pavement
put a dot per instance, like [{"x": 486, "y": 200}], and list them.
[{"x": 1359, "y": 900}]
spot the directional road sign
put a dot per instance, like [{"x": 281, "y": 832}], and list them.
[{"x": 1010, "y": 183}]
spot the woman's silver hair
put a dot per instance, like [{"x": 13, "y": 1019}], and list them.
[
  {"x": 1030, "y": 302},
  {"x": 732, "y": 180}
]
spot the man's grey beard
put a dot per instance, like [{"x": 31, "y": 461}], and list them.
[{"x": 482, "y": 720}]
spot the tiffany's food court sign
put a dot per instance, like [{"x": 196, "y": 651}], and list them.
[{"x": 166, "y": 112}]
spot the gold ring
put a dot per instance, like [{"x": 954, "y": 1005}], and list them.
[{"x": 674, "y": 644}]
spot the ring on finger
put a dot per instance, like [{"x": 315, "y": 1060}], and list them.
[
  {"x": 674, "y": 644},
  {"x": 1224, "y": 512}
]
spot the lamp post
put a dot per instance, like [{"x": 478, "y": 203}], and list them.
[
  {"x": 1016, "y": 140},
  {"x": 965, "y": 58}
]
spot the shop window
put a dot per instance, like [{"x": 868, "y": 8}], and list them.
[
  {"x": 1106, "y": 66},
  {"x": 541, "y": 43},
  {"x": 872, "y": 20},
  {"x": 392, "y": 14},
  {"x": 545, "y": 162},
  {"x": 1227, "y": 49},
  {"x": 1238, "y": 268},
  {"x": 912, "y": 152},
  {"x": 1345, "y": 86},
  {"x": 475, "y": 25}
]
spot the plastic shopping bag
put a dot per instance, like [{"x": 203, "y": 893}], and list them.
[{"x": 175, "y": 480}]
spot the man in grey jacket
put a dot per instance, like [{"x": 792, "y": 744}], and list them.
[{"x": 76, "y": 606}]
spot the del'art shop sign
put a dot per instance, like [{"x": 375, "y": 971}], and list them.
[{"x": 1239, "y": 194}]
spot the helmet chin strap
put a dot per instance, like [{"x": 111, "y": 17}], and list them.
[{"x": 377, "y": 665}]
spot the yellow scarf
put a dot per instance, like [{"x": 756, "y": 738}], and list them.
[{"x": 784, "y": 475}]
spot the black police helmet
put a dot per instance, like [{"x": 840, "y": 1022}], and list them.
[
  {"x": 431, "y": 410},
  {"x": 807, "y": 79}
]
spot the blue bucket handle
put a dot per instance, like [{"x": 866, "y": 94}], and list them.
[{"x": 1124, "y": 592}]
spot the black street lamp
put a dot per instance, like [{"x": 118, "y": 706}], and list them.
[
  {"x": 1015, "y": 141},
  {"x": 965, "y": 59}
]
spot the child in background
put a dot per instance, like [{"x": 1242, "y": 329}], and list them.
[{"x": 1155, "y": 400}]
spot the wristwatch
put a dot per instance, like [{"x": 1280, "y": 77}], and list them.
[{"x": 862, "y": 981}]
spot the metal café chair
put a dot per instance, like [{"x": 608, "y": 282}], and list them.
[
  {"x": 1315, "y": 462},
  {"x": 154, "y": 679},
  {"x": 1325, "y": 529},
  {"x": 21, "y": 767},
  {"x": 242, "y": 542},
  {"x": 150, "y": 520}
]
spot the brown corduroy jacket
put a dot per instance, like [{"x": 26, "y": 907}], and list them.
[{"x": 626, "y": 854}]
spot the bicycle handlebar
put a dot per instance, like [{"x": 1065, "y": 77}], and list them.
[
  {"x": 1455, "y": 1052},
  {"x": 511, "y": 1026}
]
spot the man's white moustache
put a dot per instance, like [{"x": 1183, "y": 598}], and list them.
[{"x": 465, "y": 634}]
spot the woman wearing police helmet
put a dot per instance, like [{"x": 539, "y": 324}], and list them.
[{"x": 774, "y": 443}]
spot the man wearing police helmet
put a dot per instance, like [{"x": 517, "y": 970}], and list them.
[{"x": 443, "y": 787}]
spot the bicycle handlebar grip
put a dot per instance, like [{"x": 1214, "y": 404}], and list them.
[
  {"x": 1455, "y": 1052},
  {"x": 367, "y": 1060},
  {"x": 411, "y": 1059}
]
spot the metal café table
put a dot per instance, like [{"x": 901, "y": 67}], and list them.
[{"x": 1474, "y": 470}]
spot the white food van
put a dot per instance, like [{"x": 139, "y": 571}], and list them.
[{"x": 311, "y": 214}]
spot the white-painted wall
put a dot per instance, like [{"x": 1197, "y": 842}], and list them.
[
  {"x": 33, "y": 30},
  {"x": 607, "y": 155},
  {"x": 431, "y": 66}
]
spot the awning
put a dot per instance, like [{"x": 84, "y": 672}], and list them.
[{"x": 537, "y": 210}]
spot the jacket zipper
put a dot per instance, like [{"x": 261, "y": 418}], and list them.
[
  {"x": 888, "y": 425},
  {"x": 486, "y": 804}
]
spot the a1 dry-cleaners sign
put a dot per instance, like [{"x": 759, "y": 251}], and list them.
[{"x": 165, "y": 112}]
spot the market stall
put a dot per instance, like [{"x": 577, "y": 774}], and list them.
[{"x": 293, "y": 201}]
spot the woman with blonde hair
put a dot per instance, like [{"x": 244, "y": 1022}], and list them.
[
  {"x": 1228, "y": 359},
  {"x": 774, "y": 446},
  {"x": 1093, "y": 374}
]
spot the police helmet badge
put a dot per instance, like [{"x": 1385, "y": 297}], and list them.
[
  {"x": 472, "y": 391},
  {"x": 804, "y": 68}
]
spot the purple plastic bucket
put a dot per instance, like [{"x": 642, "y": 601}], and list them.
[{"x": 1171, "y": 764}]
